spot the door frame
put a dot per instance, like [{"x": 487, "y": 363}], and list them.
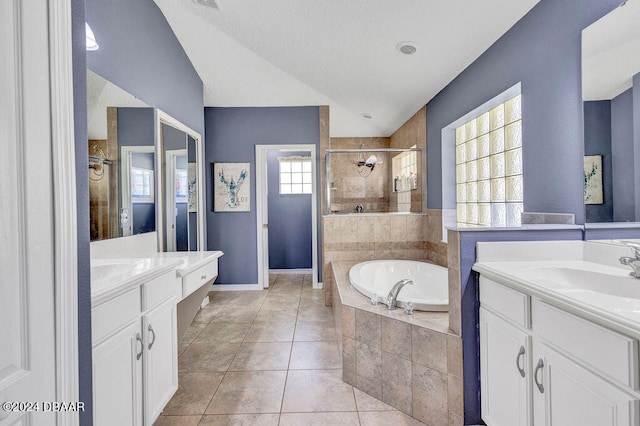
[
  {"x": 125, "y": 181},
  {"x": 170, "y": 197},
  {"x": 65, "y": 202},
  {"x": 262, "y": 210}
]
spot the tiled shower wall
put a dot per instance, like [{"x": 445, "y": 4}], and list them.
[{"x": 349, "y": 187}]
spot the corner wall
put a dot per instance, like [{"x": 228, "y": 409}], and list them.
[
  {"x": 543, "y": 52},
  {"x": 232, "y": 134}
]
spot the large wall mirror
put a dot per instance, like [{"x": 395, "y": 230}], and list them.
[
  {"x": 145, "y": 171},
  {"x": 611, "y": 95},
  {"x": 180, "y": 153},
  {"x": 122, "y": 173}
]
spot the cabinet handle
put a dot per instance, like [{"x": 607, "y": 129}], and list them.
[
  {"x": 139, "y": 339},
  {"x": 204, "y": 277},
  {"x": 153, "y": 334},
  {"x": 535, "y": 375},
  {"x": 520, "y": 355}
]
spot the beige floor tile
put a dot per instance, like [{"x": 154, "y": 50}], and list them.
[
  {"x": 317, "y": 390},
  {"x": 315, "y": 356},
  {"x": 177, "y": 421},
  {"x": 271, "y": 331},
  {"x": 221, "y": 297},
  {"x": 319, "y": 313},
  {"x": 262, "y": 356},
  {"x": 201, "y": 356},
  {"x": 251, "y": 392},
  {"x": 237, "y": 313},
  {"x": 366, "y": 402},
  {"x": 192, "y": 332},
  {"x": 277, "y": 315},
  {"x": 208, "y": 313},
  {"x": 385, "y": 418},
  {"x": 194, "y": 393},
  {"x": 240, "y": 420},
  {"x": 319, "y": 419},
  {"x": 315, "y": 331},
  {"x": 224, "y": 331}
]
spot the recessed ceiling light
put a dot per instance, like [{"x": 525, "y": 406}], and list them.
[
  {"x": 367, "y": 115},
  {"x": 407, "y": 47}
]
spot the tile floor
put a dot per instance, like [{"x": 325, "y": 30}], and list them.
[{"x": 269, "y": 358}]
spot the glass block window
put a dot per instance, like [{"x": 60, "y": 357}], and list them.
[
  {"x": 295, "y": 175},
  {"x": 489, "y": 190},
  {"x": 405, "y": 171}
]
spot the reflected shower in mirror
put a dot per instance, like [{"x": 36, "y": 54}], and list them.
[
  {"x": 183, "y": 227},
  {"x": 610, "y": 84},
  {"x": 121, "y": 161}
]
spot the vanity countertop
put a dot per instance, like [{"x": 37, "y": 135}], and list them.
[
  {"x": 113, "y": 276},
  {"x": 192, "y": 260},
  {"x": 601, "y": 293}
]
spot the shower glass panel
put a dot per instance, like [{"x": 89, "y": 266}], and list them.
[{"x": 383, "y": 180}]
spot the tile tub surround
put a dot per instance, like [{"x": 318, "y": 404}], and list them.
[{"x": 413, "y": 363}]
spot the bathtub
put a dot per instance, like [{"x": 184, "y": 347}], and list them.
[{"x": 429, "y": 292}]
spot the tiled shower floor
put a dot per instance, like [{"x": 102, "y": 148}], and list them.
[{"x": 269, "y": 358}]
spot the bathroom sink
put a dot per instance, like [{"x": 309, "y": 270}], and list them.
[{"x": 611, "y": 281}]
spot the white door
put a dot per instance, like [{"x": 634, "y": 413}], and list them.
[
  {"x": 27, "y": 301},
  {"x": 565, "y": 393},
  {"x": 504, "y": 372},
  {"x": 171, "y": 205}
]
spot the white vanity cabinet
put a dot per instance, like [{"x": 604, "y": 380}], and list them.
[
  {"x": 543, "y": 366},
  {"x": 135, "y": 368}
]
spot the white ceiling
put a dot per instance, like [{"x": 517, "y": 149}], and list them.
[
  {"x": 340, "y": 53},
  {"x": 611, "y": 53}
]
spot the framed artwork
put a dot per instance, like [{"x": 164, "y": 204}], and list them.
[
  {"x": 231, "y": 187},
  {"x": 593, "y": 179}
]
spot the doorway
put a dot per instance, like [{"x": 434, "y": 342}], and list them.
[{"x": 296, "y": 175}]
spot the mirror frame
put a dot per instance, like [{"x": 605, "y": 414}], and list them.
[{"x": 163, "y": 118}]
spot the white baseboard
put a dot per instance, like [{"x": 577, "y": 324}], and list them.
[
  {"x": 291, "y": 271},
  {"x": 320, "y": 286},
  {"x": 235, "y": 287}
]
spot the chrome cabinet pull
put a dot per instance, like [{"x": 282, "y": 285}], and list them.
[
  {"x": 139, "y": 339},
  {"x": 520, "y": 355},
  {"x": 204, "y": 277},
  {"x": 153, "y": 334},
  {"x": 535, "y": 375}
]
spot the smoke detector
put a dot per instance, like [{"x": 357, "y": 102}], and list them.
[
  {"x": 214, "y": 4},
  {"x": 407, "y": 47}
]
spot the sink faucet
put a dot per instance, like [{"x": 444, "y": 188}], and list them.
[
  {"x": 393, "y": 294},
  {"x": 633, "y": 262}
]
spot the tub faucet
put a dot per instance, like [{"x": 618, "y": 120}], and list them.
[
  {"x": 633, "y": 262},
  {"x": 393, "y": 294}
]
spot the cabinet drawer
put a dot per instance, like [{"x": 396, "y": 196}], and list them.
[
  {"x": 159, "y": 289},
  {"x": 194, "y": 280},
  {"x": 114, "y": 314},
  {"x": 612, "y": 354},
  {"x": 507, "y": 303}
]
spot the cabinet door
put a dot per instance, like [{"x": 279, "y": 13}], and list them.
[
  {"x": 161, "y": 359},
  {"x": 565, "y": 393},
  {"x": 117, "y": 379},
  {"x": 505, "y": 372}
]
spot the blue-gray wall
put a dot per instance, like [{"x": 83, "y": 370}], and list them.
[
  {"x": 636, "y": 142},
  {"x": 81, "y": 135},
  {"x": 543, "y": 52},
  {"x": 140, "y": 53},
  {"x": 232, "y": 134},
  {"x": 622, "y": 149},
  {"x": 289, "y": 220},
  {"x": 597, "y": 141}
]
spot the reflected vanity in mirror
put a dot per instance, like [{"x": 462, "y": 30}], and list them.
[{"x": 610, "y": 84}]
